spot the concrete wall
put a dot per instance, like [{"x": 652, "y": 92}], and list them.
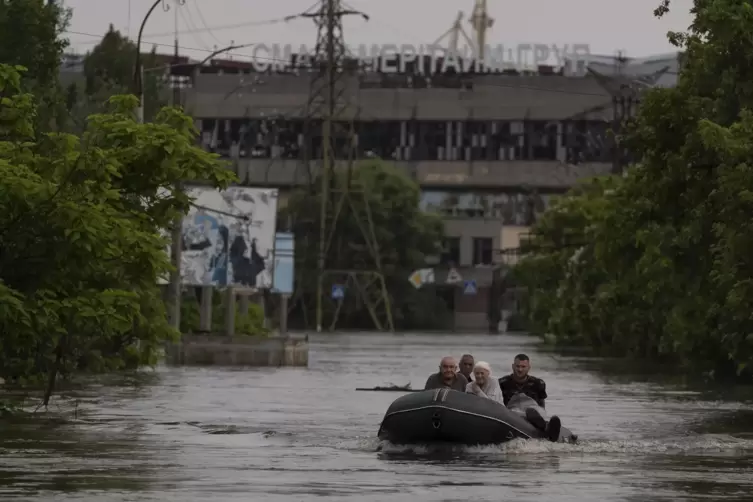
[
  {"x": 510, "y": 236},
  {"x": 471, "y": 310},
  {"x": 554, "y": 175},
  {"x": 497, "y": 97},
  {"x": 219, "y": 350},
  {"x": 466, "y": 229}
]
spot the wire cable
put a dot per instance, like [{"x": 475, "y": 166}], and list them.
[
  {"x": 187, "y": 18},
  {"x": 204, "y": 22}
]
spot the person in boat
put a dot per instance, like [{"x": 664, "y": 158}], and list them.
[
  {"x": 484, "y": 385},
  {"x": 520, "y": 382},
  {"x": 447, "y": 376},
  {"x": 466, "y": 366}
]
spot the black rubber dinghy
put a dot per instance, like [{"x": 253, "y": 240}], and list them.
[{"x": 445, "y": 415}]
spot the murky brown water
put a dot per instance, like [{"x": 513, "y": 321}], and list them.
[{"x": 206, "y": 435}]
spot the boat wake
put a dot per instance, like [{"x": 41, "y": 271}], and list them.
[{"x": 701, "y": 445}]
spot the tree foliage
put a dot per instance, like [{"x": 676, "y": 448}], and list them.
[
  {"x": 248, "y": 323},
  {"x": 108, "y": 71},
  {"x": 80, "y": 221},
  {"x": 659, "y": 263},
  {"x": 405, "y": 235},
  {"x": 30, "y": 36}
]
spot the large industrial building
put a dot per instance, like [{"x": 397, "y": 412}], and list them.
[
  {"x": 485, "y": 152},
  {"x": 489, "y": 151}
]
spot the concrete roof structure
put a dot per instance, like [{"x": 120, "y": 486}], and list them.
[
  {"x": 637, "y": 68},
  {"x": 482, "y": 97}
]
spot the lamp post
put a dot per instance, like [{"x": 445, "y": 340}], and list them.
[
  {"x": 138, "y": 73},
  {"x": 195, "y": 66}
]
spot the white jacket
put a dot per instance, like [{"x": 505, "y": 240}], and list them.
[{"x": 490, "y": 390}]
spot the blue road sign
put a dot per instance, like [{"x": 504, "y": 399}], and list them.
[
  {"x": 284, "y": 266},
  {"x": 338, "y": 291},
  {"x": 469, "y": 288}
]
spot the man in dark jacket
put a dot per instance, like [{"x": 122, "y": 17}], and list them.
[
  {"x": 447, "y": 376},
  {"x": 519, "y": 381}
]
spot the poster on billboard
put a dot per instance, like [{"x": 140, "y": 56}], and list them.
[{"x": 228, "y": 237}]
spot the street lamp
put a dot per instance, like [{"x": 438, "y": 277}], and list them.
[{"x": 138, "y": 73}]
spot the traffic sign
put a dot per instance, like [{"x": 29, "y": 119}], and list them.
[
  {"x": 421, "y": 276},
  {"x": 469, "y": 288},
  {"x": 338, "y": 291},
  {"x": 453, "y": 276}
]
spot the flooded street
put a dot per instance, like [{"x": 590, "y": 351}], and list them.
[{"x": 189, "y": 434}]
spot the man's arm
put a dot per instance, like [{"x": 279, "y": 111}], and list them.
[
  {"x": 542, "y": 395},
  {"x": 505, "y": 396},
  {"x": 430, "y": 383},
  {"x": 495, "y": 394}
]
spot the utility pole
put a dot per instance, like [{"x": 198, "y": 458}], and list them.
[
  {"x": 176, "y": 61},
  {"x": 623, "y": 105},
  {"x": 328, "y": 104},
  {"x": 176, "y": 251},
  {"x": 625, "y": 91}
]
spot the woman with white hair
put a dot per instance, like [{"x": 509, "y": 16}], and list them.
[{"x": 484, "y": 385}]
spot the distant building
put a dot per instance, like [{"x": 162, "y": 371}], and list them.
[
  {"x": 489, "y": 150},
  {"x": 72, "y": 63}
]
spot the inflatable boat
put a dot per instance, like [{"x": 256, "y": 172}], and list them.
[{"x": 448, "y": 416}]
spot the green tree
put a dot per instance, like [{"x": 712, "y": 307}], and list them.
[
  {"x": 80, "y": 221},
  {"x": 665, "y": 271},
  {"x": 30, "y": 35},
  {"x": 108, "y": 71},
  {"x": 405, "y": 235}
]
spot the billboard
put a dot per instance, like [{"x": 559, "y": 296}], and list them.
[{"x": 228, "y": 237}]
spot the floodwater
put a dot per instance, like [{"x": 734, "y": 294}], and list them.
[{"x": 191, "y": 434}]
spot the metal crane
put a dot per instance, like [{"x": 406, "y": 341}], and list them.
[
  {"x": 479, "y": 20},
  {"x": 454, "y": 34}
]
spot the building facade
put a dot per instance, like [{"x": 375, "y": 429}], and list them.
[{"x": 489, "y": 151}]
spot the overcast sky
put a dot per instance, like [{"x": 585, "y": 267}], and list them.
[{"x": 607, "y": 26}]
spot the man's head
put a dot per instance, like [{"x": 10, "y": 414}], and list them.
[
  {"x": 521, "y": 365},
  {"x": 448, "y": 367},
  {"x": 466, "y": 364},
  {"x": 481, "y": 372}
]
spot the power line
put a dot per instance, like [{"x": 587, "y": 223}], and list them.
[
  {"x": 229, "y": 26},
  {"x": 185, "y": 48},
  {"x": 204, "y": 22},
  {"x": 189, "y": 22}
]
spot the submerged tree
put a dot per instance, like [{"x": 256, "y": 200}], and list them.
[
  {"x": 80, "y": 221},
  {"x": 406, "y": 236},
  {"x": 665, "y": 269}
]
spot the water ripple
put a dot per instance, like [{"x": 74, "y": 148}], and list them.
[{"x": 206, "y": 434}]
